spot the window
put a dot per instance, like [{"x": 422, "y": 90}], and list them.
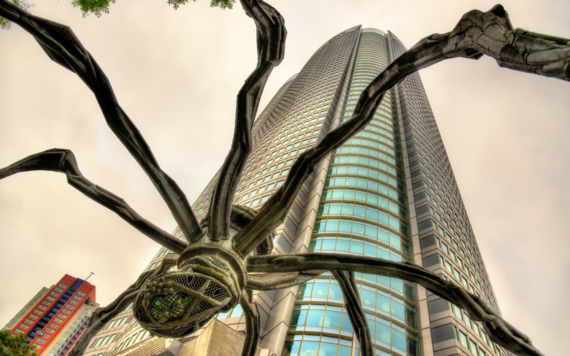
[
  {"x": 81, "y": 294},
  {"x": 62, "y": 285},
  {"x": 29, "y": 321},
  {"x": 50, "y": 330},
  {"x": 58, "y": 290},
  {"x": 51, "y": 299},
  {"x": 24, "y": 326},
  {"x": 57, "y": 320},
  {"x": 463, "y": 339},
  {"x": 473, "y": 347}
]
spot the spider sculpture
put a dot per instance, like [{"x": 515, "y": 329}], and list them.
[{"x": 226, "y": 257}]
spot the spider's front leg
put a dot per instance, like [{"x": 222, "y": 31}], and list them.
[
  {"x": 101, "y": 316},
  {"x": 63, "y": 47},
  {"x": 63, "y": 161}
]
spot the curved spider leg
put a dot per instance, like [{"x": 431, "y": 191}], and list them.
[
  {"x": 273, "y": 281},
  {"x": 347, "y": 284},
  {"x": 63, "y": 161},
  {"x": 62, "y": 46},
  {"x": 271, "y": 36},
  {"x": 477, "y": 33},
  {"x": 252, "y": 322},
  {"x": 500, "y": 331},
  {"x": 102, "y": 316}
]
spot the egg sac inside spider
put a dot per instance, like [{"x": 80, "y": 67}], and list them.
[{"x": 178, "y": 303}]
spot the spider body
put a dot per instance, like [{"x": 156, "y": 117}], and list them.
[{"x": 209, "y": 279}]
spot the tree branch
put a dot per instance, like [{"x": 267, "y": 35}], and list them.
[
  {"x": 63, "y": 161},
  {"x": 271, "y": 36},
  {"x": 477, "y": 33},
  {"x": 353, "y": 306},
  {"x": 252, "y": 322},
  {"x": 273, "y": 281},
  {"x": 500, "y": 331},
  {"x": 61, "y": 45}
]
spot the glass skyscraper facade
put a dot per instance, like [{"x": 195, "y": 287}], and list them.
[
  {"x": 362, "y": 211},
  {"x": 388, "y": 192}
]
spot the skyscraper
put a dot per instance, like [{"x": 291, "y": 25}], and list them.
[
  {"x": 56, "y": 317},
  {"x": 388, "y": 192}
]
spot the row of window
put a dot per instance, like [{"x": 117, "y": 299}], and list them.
[
  {"x": 104, "y": 340},
  {"x": 117, "y": 322},
  {"x": 371, "y": 298},
  {"x": 136, "y": 337},
  {"x": 389, "y": 336},
  {"x": 270, "y": 169},
  {"x": 362, "y": 212},
  {"x": 468, "y": 343},
  {"x": 359, "y": 151},
  {"x": 43, "y": 306},
  {"x": 455, "y": 257},
  {"x": 356, "y": 247},
  {"x": 362, "y": 182},
  {"x": 296, "y": 345},
  {"x": 365, "y": 197}
]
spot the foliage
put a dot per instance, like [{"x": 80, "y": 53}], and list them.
[
  {"x": 22, "y": 4},
  {"x": 15, "y": 345},
  {"x": 214, "y": 3},
  {"x": 97, "y": 7}
]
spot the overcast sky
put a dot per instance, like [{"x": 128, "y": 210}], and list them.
[{"x": 176, "y": 74}]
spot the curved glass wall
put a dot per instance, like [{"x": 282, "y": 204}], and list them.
[{"x": 363, "y": 211}]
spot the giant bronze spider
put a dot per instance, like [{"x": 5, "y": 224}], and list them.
[{"x": 227, "y": 255}]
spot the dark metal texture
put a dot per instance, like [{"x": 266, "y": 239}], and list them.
[
  {"x": 252, "y": 322},
  {"x": 63, "y": 161},
  {"x": 353, "y": 306},
  {"x": 498, "y": 329},
  {"x": 61, "y": 45},
  {"x": 273, "y": 281},
  {"x": 271, "y": 35}
]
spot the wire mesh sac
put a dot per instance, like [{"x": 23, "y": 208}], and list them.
[{"x": 175, "y": 304}]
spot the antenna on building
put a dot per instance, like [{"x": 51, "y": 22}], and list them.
[{"x": 92, "y": 273}]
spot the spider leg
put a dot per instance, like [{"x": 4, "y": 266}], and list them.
[
  {"x": 271, "y": 36},
  {"x": 273, "y": 281},
  {"x": 253, "y": 324},
  {"x": 103, "y": 315},
  {"x": 62, "y": 46},
  {"x": 347, "y": 284},
  {"x": 63, "y": 161},
  {"x": 500, "y": 331},
  {"x": 477, "y": 33}
]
